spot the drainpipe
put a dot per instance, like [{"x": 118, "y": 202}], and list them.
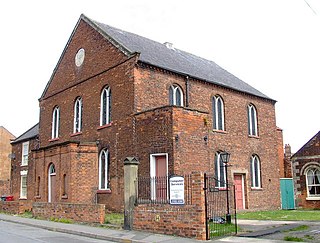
[{"x": 187, "y": 91}]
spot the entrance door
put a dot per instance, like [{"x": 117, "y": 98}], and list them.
[
  {"x": 161, "y": 177},
  {"x": 239, "y": 188},
  {"x": 51, "y": 183},
  {"x": 287, "y": 193}
]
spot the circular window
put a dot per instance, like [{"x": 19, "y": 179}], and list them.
[{"x": 79, "y": 58}]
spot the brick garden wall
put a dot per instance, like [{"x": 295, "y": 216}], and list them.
[
  {"x": 182, "y": 220},
  {"x": 90, "y": 213},
  {"x": 15, "y": 207}
]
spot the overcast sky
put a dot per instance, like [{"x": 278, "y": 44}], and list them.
[{"x": 274, "y": 45}]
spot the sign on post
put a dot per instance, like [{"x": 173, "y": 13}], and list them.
[{"x": 176, "y": 190}]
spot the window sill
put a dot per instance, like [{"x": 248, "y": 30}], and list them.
[
  {"x": 22, "y": 198},
  {"x": 64, "y": 197},
  {"x": 313, "y": 198},
  {"x": 104, "y": 126},
  {"x": 37, "y": 197},
  {"x": 107, "y": 191},
  {"x": 219, "y": 131},
  {"x": 24, "y": 165},
  {"x": 53, "y": 139},
  {"x": 75, "y": 134},
  {"x": 256, "y": 189},
  {"x": 254, "y": 136}
]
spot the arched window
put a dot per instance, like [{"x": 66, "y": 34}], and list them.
[
  {"x": 104, "y": 170},
  {"x": 218, "y": 113},
  {"x": 175, "y": 95},
  {"x": 77, "y": 120},
  {"x": 55, "y": 122},
  {"x": 255, "y": 172},
  {"x": 105, "y": 106},
  {"x": 252, "y": 121},
  {"x": 51, "y": 183},
  {"x": 313, "y": 182},
  {"x": 220, "y": 171}
]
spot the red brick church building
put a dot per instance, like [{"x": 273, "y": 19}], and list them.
[{"x": 115, "y": 94}]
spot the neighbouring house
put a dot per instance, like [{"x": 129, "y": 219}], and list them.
[
  {"x": 22, "y": 164},
  {"x": 115, "y": 94},
  {"x": 306, "y": 174},
  {"x": 5, "y": 160}
]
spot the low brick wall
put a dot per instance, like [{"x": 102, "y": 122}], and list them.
[
  {"x": 182, "y": 220},
  {"x": 89, "y": 213},
  {"x": 15, "y": 207},
  {"x": 186, "y": 221}
]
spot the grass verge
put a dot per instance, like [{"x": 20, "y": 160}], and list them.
[{"x": 298, "y": 215}]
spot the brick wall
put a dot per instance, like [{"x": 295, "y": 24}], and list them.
[
  {"x": 17, "y": 168},
  {"x": 5, "y": 151},
  {"x": 90, "y": 213},
  {"x": 193, "y": 124},
  {"x": 15, "y": 207},
  {"x": 4, "y": 187},
  {"x": 299, "y": 167},
  {"x": 183, "y": 220}
]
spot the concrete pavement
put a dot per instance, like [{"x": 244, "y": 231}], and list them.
[{"x": 126, "y": 236}]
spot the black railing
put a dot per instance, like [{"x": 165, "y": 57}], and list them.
[
  {"x": 220, "y": 205},
  {"x": 155, "y": 190}
]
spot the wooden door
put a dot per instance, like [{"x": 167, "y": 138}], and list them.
[
  {"x": 239, "y": 188},
  {"x": 161, "y": 177},
  {"x": 287, "y": 193}
]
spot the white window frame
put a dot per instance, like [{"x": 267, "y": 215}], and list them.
[
  {"x": 173, "y": 95},
  {"x": 77, "y": 120},
  {"x": 25, "y": 153},
  {"x": 55, "y": 122},
  {"x": 106, "y": 185},
  {"x": 153, "y": 173},
  {"x": 252, "y": 120},
  {"x": 217, "y": 113},
  {"x": 105, "y": 106},
  {"x": 23, "y": 187},
  {"x": 311, "y": 196},
  {"x": 51, "y": 172},
  {"x": 255, "y": 169},
  {"x": 218, "y": 168}
]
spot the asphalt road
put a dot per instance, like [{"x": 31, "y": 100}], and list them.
[{"x": 18, "y": 233}]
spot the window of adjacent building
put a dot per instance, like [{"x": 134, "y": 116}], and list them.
[
  {"x": 313, "y": 182},
  {"x": 255, "y": 172},
  {"x": 220, "y": 171},
  {"x": 77, "y": 121},
  {"x": 252, "y": 120},
  {"x": 175, "y": 95},
  {"x": 23, "y": 184},
  {"x": 55, "y": 122},
  {"x": 218, "y": 113},
  {"x": 104, "y": 170},
  {"x": 105, "y": 107},
  {"x": 25, "y": 153}
]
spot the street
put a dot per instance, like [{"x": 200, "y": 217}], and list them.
[{"x": 18, "y": 233}]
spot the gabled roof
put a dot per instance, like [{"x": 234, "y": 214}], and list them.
[
  {"x": 33, "y": 132},
  {"x": 171, "y": 59},
  {"x": 312, "y": 147}
]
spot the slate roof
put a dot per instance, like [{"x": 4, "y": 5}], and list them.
[
  {"x": 310, "y": 148},
  {"x": 31, "y": 133},
  {"x": 158, "y": 54}
]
